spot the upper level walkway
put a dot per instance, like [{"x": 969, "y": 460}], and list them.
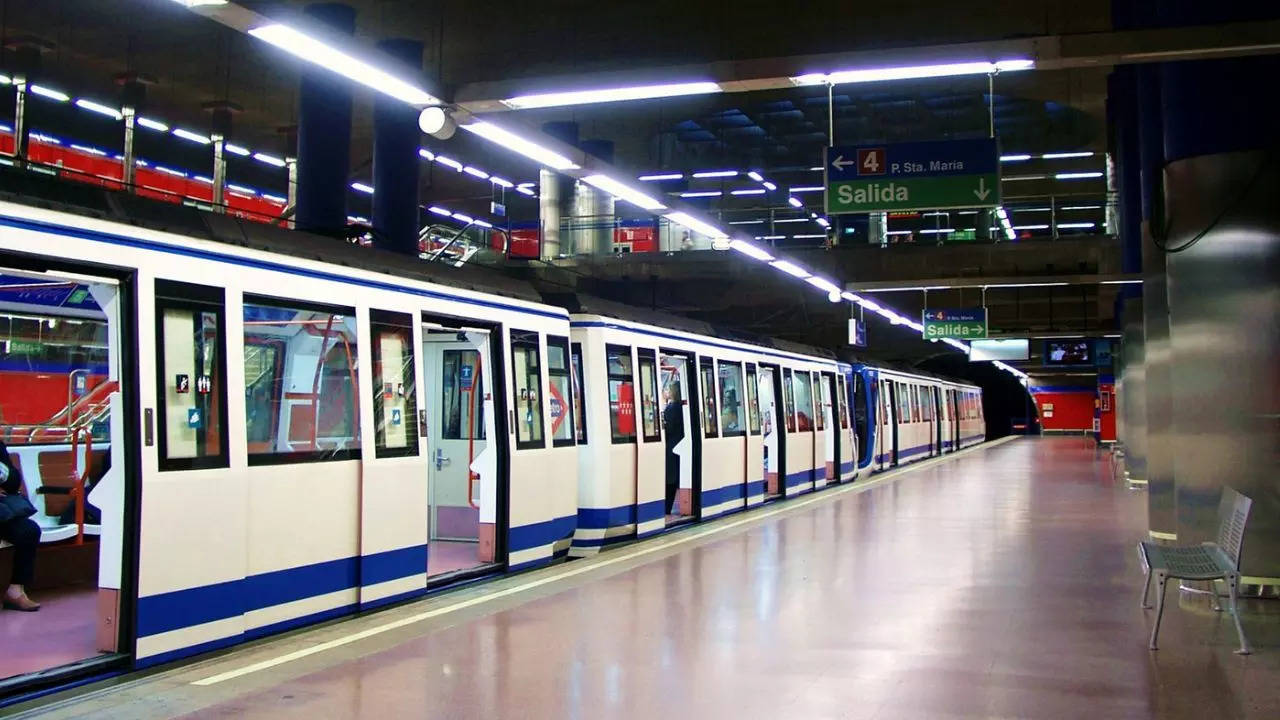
[{"x": 1000, "y": 582}]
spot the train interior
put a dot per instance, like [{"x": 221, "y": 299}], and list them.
[
  {"x": 677, "y": 419},
  {"x": 769, "y": 389},
  {"x": 61, "y": 421},
  {"x": 462, "y": 463}
]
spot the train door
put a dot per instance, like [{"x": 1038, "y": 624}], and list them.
[
  {"x": 895, "y": 422},
  {"x": 679, "y": 433},
  {"x": 70, "y": 458},
  {"x": 935, "y": 401},
  {"x": 462, "y": 460},
  {"x": 801, "y": 460},
  {"x": 755, "y": 446},
  {"x": 826, "y": 447},
  {"x": 955, "y": 421},
  {"x": 770, "y": 390},
  {"x": 861, "y": 422}
]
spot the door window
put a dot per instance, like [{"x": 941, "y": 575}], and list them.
[
  {"x": 709, "y": 423},
  {"x": 622, "y": 394},
  {"x": 753, "y": 401},
  {"x": 461, "y": 395},
  {"x": 804, "y": 401},
  {"x": 191, "y": 340},
  {"x": 731, "y": 410},
  {"x": 561, "y": 401},
  {"x": 788, "y": 399},
  {"x": 527, "y": 379},
  {"x": 395, "y": 402},
  {"x": 579, "y": 405},
  {"x": 648, "y": 395}
]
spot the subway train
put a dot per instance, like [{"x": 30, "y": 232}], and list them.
[{"x": 230, "y": 430}]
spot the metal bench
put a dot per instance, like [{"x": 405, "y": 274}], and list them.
[{"x": 1211, "y": 561}]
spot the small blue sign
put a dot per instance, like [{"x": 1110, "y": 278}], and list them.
[
  {"x": 466, "y": 375},
  {"x": 935, "y": 158},
  {"x": 396, "y": 416},
  {"x": 193, "y": 418}
]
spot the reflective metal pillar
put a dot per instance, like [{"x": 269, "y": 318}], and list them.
[
  {"x": 324, "y": 133},
  {"x": 396, "y": 215}
]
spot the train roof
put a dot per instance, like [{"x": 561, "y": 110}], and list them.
[{"x": 38, "y": 190}]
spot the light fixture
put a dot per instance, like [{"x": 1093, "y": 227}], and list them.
[
  {"x": 200, "y": 3},
  {"x": 850, "y": 296},
  {"x": 426, "y": 154},
  {"x": 1076, "y": 175},
  {"x": 823, "y": 284},
  {"x": 443, "y": 160},
  {"x": 361, "y": 187},
  {"x": 236, "y": 150},
  {"x": 790, "y": 268},
  {"x": 192, "y": 136},
  {"x": 1030, "y": 227},
  {"x": 50, "y": 93},
  {"x": 808, "y": 237},
  {"x": 463, "y": 218},
  {"x": 750, "y": 250},
  {"x": 1024, "y": 285},
  {"x": 88, "y": 150},
  {"x": 702, "y": 193},
  {"x": 169, "y": 171},
  {"x": 1120, "y": 282},
  {"x": 693, "y": 223},
  {"x": 474, "y": 172},
  {"x": 440, "y": 211},
  {"x": 769, "y": 186},
  {"x": 483, "y": 224},
  {"x": 823, "y": 222},
  {"x": 806, "y": 188},
  {"x": 242, "y": 189},
  {"x": 500, "y": 182},
  {"x": 99, "y": 108},
  {"x": 584, "y": 97},
  {"x": 716, "y": 173},
  {"x": 1076, "y": 225},
  {"x": 911, "y": 71},
  {"x": 150, "y": 124},
  {"x": 528, "y": 148},
  {"x": 1081, "y": 207},
  {"x": 269, "y": 159},
  {"x": 315, "y": 51},
  {"x": 870, "y": 305},
  {"x": 746, "y": 222},
  {"x": 621, "y": 190},
  {"x": 795, "y": 202},
  {"x": 755, "y": 176},
  {"x": 771, "y": 237},
  {"x": 524, "y": 190},
  {"x": 435, "y": 122},
  {"x": 1016, "y": 178},
  {"x": 1015, "y": 158},
  {"x": 1061, "y": 155},
  {"x": 662, "y": 176},
  {"x": 753, "y": 191}
]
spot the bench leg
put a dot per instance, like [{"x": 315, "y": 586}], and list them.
[
  {"x": 1213, "y": 596},
  {"x": 1155, "y": 629},
  {"x": 1146, "y": 588},
  {"x": 1232, "y": 582}
]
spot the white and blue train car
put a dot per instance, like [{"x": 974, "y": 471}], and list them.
[
  {"x": 290, "y": 439},
  {"x": 681, "y": 425}
]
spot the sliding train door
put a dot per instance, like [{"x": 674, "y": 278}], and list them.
[
  {"x": 68, "y": 424},
  {"x": 771, "y": 426}
]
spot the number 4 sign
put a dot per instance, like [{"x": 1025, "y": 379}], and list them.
[{"x": 871, "y": 161}]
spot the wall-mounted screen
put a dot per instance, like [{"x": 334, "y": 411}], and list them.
[
  {"x": 999, "y": 350},
  {"x": 1068, "y": 352}
]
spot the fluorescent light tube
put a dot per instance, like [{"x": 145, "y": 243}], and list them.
[
  {"x": 1081, "y": 207},
  {"x": 755, "y": 176},
  {"x": 463, "y": 218},
  {"x": 1015, "y": 158},
  {"x": 806, "y": 188},
  {"x": 361, "y": 187},
  {"x": 1030, "y": 227},
  {"x": 443, "y": 160},
  {"x": 754, "y": 191},
  {"x": 236, "y": 149},
  {"x": 746, "y": 222},
  {"x": 604, "y": 95},
  {"x": 99, "y": 108},
  {"x": 192, "y": 136},
  {"x": 1061, "y": 155},
  {"x": 808, "y": 237},
  {"x": 1015, "y": 178},
  {"x": 426, "y": 154},
  {"x": 440, "y": 211},
  {"x": 500, "y": 182},
  {"x": 911, "y": 71},
  {"x": 528, "y": 148},
  {"x": 795, "y": 202},
  {"x": 315, "y": 51},
  {"x": 702, "y": 193},
  {"x": 483, "y": 224},
  {"x": 687, "y": 220},
  {"x": 88, "y": 150},
  {"x": 663, "y": 176},
  {"x": 790, "y": 268},
  {"x": 524, "y": 190},
  {"x": 48, "y": 92},
  {"x": 716, "y": 173},
  {"x": 242, "y": 189},
  {"x": 750, "y": 250},
  {"x": 621, "y": 190},
  {"x": 150, "y": 124},
  {"x": 769, "y": 186},
  {"x": 1076, "y": 225},
  {"x": 1076, "y": 175},
  {"x": 823, "y": 222},
  {"x": 269, "y": 159},
  {"x": 771, "y": 237},
  {"x": 475, "y": 172},
  {"x": 823, "y": 284}
]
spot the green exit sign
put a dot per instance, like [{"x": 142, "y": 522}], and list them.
[
  {"x": 24, "y": 347},
  {"x": 957, "y": 324}
]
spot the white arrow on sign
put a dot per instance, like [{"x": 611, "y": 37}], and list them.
[
  {"x": 840, "y": 163},
  {"x": 983, "y": 191}
]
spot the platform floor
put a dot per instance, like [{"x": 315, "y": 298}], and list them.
[{"x": 1000, "y": 583}]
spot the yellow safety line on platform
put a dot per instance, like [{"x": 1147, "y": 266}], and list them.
[{"x": 587, "y": 566}]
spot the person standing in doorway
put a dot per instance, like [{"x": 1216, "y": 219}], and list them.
[
  {"x": 23, "y": 534},
  {"x": 673, "y": 424}
]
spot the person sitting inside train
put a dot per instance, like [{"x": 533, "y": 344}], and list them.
[{"x": 22, "y": 533}]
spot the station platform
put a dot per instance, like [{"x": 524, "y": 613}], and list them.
[{"x": 1000, "y": 582}]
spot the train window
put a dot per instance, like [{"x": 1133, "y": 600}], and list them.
[
  {"x": 649, "y": 396},
  {"x": 731, "y": 410},
  {"x": 709, "y": 423},
  {"x": 926, "y": 403},
  {"x": 191, "y": 372},
  {"x": 622, "y": 394},
  {"x": 462, "y": 395},
  {"x": 788, "y": 398},
  {"x": 395, "y": 400},
  {"x": 804, "y": 401},
  {"x": 579, "y": 406},
  {"x": 527, "y": 378},
  {"x": 561, "y": 400},
  {"x": 820, "y": 401},
  {"x": 311, "y": 405},
  {"x": 753, "y": 401},
  {"x": 904, "y": 404},
  {"x": 842, "y": 398}
]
